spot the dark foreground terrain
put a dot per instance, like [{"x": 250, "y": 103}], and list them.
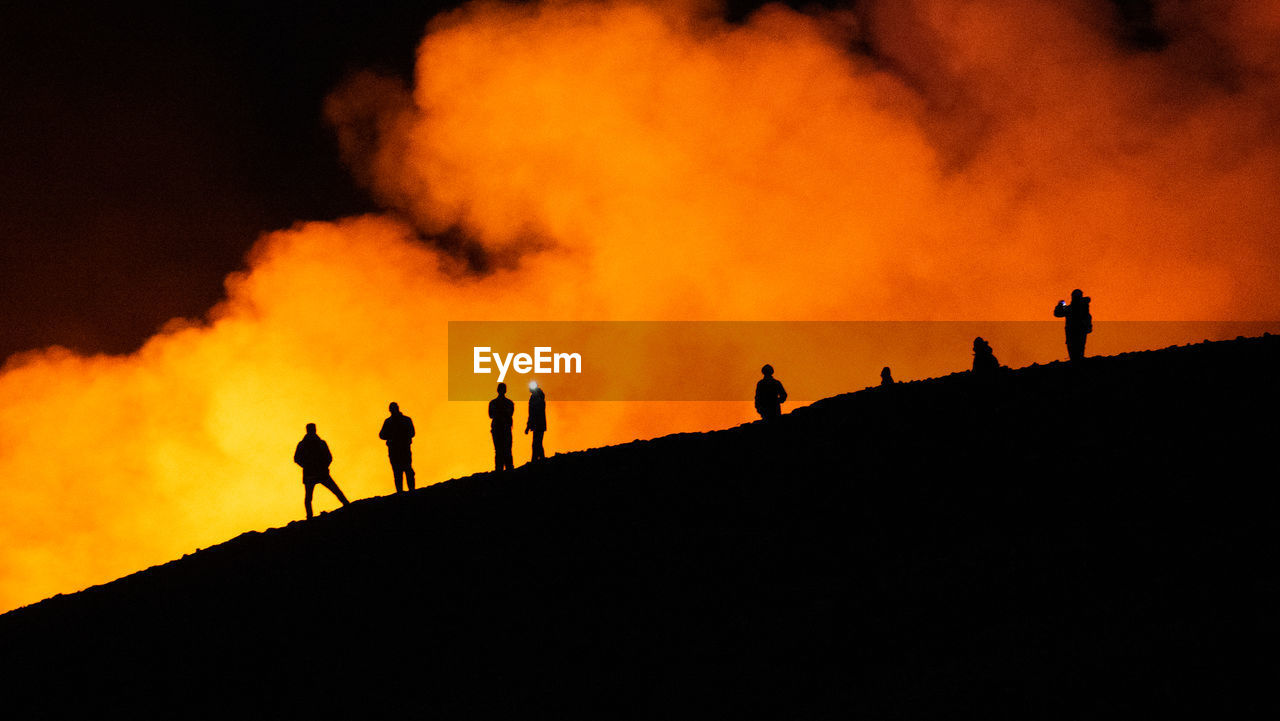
[{"x": 1064, "y": 542}]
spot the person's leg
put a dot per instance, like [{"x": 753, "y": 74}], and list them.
[
  {"x": 409, "y": 476},
  {"x": 332, "y": 485},
  {"x": 538, "y": 452},
  {"x": 497, "y": 450},
  {"x": 502, "y": 440},
  {"x": 1075, "y": 347},
  {"x": 306, "y": 500},
  {"x": 402, "y": 466}
]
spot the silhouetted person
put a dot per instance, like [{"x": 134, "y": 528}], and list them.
[
  {"x": 886, "y": 378},
  {"x": 770, "y": 395},
  {"x": 314, "y": 457},
  {"x": 537, "y": 422},
  {"x": 1079, "y": 322},
  {"x": 984, "y": 359},
  {"x": 501, "y": 410},
  {"x": 397, "y": 431}
]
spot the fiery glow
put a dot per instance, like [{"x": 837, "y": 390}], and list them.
[{"x": 625, "y": 161}]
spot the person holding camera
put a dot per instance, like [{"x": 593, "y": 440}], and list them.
[{"x": 1079, "y": 322}]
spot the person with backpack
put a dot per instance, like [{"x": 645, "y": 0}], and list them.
[{"x": 1079, "y": 323}]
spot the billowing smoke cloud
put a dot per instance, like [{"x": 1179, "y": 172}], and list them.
[
  {"x": 985, "y": 152},
  {"x": 970, "y": 160}
]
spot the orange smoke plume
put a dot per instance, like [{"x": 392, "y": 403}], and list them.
[{"x": 619, "y": 160}]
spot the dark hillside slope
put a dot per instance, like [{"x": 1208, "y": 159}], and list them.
[{"x": 1064, "y": 542}]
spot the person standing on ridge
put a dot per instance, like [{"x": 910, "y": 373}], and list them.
[
  {"x": 397, "y": 431},
  {"x": 313, "y": 455},
  {"x": 886, "y": 377},
  {"x": 501, "y": 411},
  {"x": 1079, "y": 322},
  {"x": 770, "y": 395},
  {"x": 537, "y": 420}
]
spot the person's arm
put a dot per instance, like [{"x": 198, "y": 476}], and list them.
[
  {"x": 782, "y": 393},
  {"x": 383, "y": 433},
  {"x": 297, "y": 454},
  {"x": 409, "y": 422},
  {"x": 328, "y": 457}
]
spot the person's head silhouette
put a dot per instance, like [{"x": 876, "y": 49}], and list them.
[
  {"x": 767, "y": 369},
  {"x": 502, "y": 389},
  {"x": 1077, "y": 294},
  {"x": 311, "y": 429},
  {"x": 394, "y": 408}
]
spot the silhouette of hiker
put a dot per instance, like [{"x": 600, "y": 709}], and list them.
[
  {"x": 770, "y": 395},
  {"x": 984, "y": 360},
  {"x": 537, "y": 420},
  {"x": 397, "y": 431},
  {"x": 886, "y": 378},
  {"x": 501, "y": 410},
  {"x": 1079, "y": 322},
  {"x": 314, "y": 457}
]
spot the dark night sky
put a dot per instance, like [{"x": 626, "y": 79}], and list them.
[{"x": 144, "y": 150}]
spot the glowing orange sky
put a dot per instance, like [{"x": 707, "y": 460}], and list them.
[{"x": 622, "y": 161}]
